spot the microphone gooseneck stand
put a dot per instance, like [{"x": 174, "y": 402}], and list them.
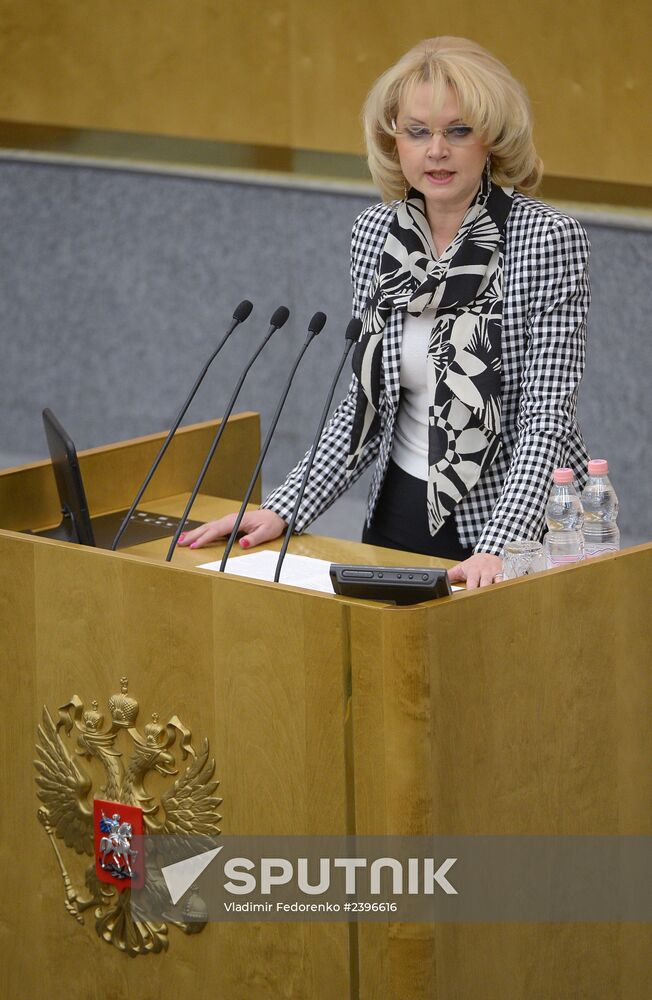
[
  {"x": 315, "y": 326},
  {"x": 279, "y": 317},
  {"x": 353, "y": 331},
  {"x": 240, "y": 314}
]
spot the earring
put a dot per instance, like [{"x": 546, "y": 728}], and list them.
[{"x": 488, "y": 167}]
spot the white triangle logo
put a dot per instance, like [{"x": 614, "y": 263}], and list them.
[{"x": 181, "y": 875}]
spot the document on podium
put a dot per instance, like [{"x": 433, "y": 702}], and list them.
[{"x": 298, "y": 571}]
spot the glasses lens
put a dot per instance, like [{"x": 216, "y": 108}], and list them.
[
  {"x": 459, "y": 135},
  {"x": 417, "y": 133},
  {"x": 455, "y": 135}
]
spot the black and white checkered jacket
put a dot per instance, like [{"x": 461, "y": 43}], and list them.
[{"x": 545, "y": 303}]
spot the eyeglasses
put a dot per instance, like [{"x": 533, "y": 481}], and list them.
[{"x": 420, "y": 135}]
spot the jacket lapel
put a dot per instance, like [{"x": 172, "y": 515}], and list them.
[{"x": 392, "y": 357}]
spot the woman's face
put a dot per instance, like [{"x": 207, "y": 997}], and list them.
[{"x": 447, "y": 174}]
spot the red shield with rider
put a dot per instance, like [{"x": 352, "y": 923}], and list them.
[{"x": 117, "y": 861}]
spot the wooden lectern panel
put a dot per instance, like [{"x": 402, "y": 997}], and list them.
[
  {"x": 519, "y": 709},
  {"x": 112, "y": 474},
  {"x": 258, "y": 673},
  {"x": 522, "y": 709}
]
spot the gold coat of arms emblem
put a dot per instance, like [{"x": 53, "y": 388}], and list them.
[{"x": 93, "y": 773}]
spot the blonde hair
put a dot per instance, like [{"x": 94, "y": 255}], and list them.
[{"x": 490, "y": 100}]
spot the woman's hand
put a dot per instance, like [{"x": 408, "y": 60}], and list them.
[
  {"x": 480, "y": 570},
  {"x": 259, "y": 526}
]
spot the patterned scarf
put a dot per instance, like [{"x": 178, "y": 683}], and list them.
[{"x": 463, "y": 288}]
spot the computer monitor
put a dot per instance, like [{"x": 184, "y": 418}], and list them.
[{"x": 77, "y": 525}]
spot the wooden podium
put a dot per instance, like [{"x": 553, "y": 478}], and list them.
[{"x": 524, "y": 708}]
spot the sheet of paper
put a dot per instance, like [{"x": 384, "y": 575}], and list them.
[{"x": 298, "y": 571}]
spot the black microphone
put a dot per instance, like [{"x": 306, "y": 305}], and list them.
[
  {"x": 279, "y": 317},
  {"x": 315, "y": 326},
  {"x": 240, "y": 314},
  {"x": 352, "y": 334}
]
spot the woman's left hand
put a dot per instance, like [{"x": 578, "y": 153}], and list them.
[{"x": 479, "y": 570}]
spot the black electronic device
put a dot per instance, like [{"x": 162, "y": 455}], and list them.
[
  {"x": 77, "y": 525},
  {"x": 391, "y": 584}
]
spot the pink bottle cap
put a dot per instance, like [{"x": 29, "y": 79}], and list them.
[
  {"x": 598, "y": 467},
  {"x": 562, "y": 476}
]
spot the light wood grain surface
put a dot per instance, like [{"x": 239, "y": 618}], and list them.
[
  {"x": 519, "y": 709},
  {"x": 294, "y": 75}
]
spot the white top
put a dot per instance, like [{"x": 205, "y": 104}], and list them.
[{"x": 410, "y": 445}]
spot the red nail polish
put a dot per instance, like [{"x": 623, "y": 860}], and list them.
[
  {"x": 244, "y": 543},
  {"x": 181, "y": 536}
]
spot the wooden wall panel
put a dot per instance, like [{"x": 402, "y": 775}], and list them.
[
  {"x": 290, "y": 74},
  {"x": 207, "y": 68}
]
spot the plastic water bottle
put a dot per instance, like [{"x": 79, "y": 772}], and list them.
[
  {"x": 564, "y": 542},
  {"x": 600, "y": 505}
]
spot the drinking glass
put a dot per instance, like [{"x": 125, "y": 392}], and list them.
[{"x": 521, "y": 558}]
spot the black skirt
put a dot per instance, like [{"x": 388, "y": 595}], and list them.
[{"x": 400, "y": 520}]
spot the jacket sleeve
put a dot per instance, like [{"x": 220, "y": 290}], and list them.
[
  {"x": 328, "y": 478},
  {"x": 554, "y": 364}
]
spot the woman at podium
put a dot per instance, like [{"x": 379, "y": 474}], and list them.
[{"x": 473, "y": 298}]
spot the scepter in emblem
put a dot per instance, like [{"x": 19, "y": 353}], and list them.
[{"x": 71, "y": 899}]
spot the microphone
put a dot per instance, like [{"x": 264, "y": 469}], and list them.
[
  {"x": 315, "y": 326},
  {"x": 278, "y": 318},
  {"x": 351, "y": 335},
  {"x": 240, "y": 314}
]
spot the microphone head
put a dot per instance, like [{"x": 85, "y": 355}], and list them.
[
  {"x": 354, "y": 329},
  {"x": 279, "y": 317},
  {"x": 316, "y": 324},
  {"x": 241, "y": 312}
]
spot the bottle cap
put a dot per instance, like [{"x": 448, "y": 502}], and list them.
[
  {"x": 562, "y": 476},
  {"x": 598, "y": 467}
]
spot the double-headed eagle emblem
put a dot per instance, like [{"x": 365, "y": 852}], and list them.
[{"x": 71, "y": 813}]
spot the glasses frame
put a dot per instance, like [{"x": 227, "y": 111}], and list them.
[{"x": 468, "y": 140}]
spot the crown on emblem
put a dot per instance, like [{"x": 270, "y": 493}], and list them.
[
  {"x": 153, "y": 730},
  {"x": 92, "y": 718},
  {"x": 123, "y": 708}
]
